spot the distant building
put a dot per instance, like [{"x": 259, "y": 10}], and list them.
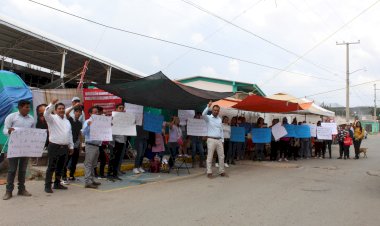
[{"x": 221, "y": 85}]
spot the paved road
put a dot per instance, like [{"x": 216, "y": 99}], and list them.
[{"x": 317, "y": 192}]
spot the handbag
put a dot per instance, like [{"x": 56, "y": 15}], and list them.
[{"x": 347, "y": 141}]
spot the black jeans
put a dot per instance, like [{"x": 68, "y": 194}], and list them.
[
  {"x": 328, "y": 144},
  {"x": 103, "y": 161},
  {"x": 357, "y": 147},
  {"x": 319, "y": 152},
  {"x": 115, "y": 156},
  {"x": 274, "y": 146},
  {"x": 21, "y": 163},
  {"x": 341, "y": 149},
  {"x": 71, "y": 163},
  {"x": 56, "y": 162},
  {"x": 284, "y": 148}
]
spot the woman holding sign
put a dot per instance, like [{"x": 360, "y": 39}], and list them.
[
  {"x": 175, "y": 139},
  {"x": 259, "y": 147}
]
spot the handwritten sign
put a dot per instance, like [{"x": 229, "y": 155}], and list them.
[
  {"x": 153, "y": 122},
  {"x": 324, "y": 133},
  {"x": 196, "y": 127},
  {"x": 123, "y": 123},
  {"x": 278, "y": 131},
  {"x": 136, "y": 110},
  {"x": 290, "y": 130},
  {"x": 313, "y": 130},
  {"x": 302, "y": 131},
  {"x": 184, "y": 115},
  {"x": 237, "y": 134},
  {"x": 100, "y": 128},
  {"x": 331, "y": 125},
  {"x": 261, "y": 135},
  {"x": 26, "y": 142}
]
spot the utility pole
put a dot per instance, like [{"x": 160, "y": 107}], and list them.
[{"x": 348, "y": 77}]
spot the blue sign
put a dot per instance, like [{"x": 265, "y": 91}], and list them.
[
  {"x": 290, "y": 130},
  {"x": 261, "y": 135},
  {"x": 237, "y": 134},
  {"x": 153, "y": 122},
  {"x": 302, "y": 131}
]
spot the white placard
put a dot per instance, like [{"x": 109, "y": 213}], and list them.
[
  {"x": 123, "y": 123},
  {"x": 313, "y": 130},
  {"x": 26, "y": 142},
  {"x": 137, "y": 110},
  {"x": 324, "y": 133},
  {"x": 184, "y": 115},
  {"x": 278, "y": 131},
  {"x": 331, "y": 125},
  {"x": 100, "y": 128},
  {"x": 196, "y": 127}
]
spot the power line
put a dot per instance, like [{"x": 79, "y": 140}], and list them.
[
  {"x": 253, "y": 34},
  {"x": 212, "y": 34},
  {"x": 176, "y": 43},
  {"x": 323, "y": 40}
]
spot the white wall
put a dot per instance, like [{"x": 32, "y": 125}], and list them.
[{"x": 210, "y": 86}]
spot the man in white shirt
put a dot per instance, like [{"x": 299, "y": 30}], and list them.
[
  {"x": 60, "y": 143},
  {"x": 215, "y": 138},
  {"x": 20, "y": 119}
]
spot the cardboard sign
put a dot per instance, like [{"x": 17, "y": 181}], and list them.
[
  {"x": 302, "y": 131},
  {"x": 123, "y": 123},
  {"x": 324, "y": 133},
  {"x": 332, "y": 125},
  {"x": 26, "y": 142},
  {"x": 261, "y": 135},
  {"x": 100, "y": 128},
  {"x": 313, "y": 130},
  {"x": 184, "y": 115},
  {"x": 153, "y": 122},
  {"x": 137, "y": 111},
  {"x": 278, "y": 131},
  {"x": 196, "y": 127},
  {"x": 237, "y": 134},
  {"x": 290, "y": 130}
]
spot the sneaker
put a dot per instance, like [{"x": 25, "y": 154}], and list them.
[
  {"x": 286, "y": 160},
  {"x": 59, "y": 186},
  {"x": 65, "y": 182},
  {"x": 8, "y": 195},
  {"x": 226, "y": 165},
  {"x": 141, "y": 170},
  {"x": 217, "y": 165},
  {"x": 136, "y": 171},
  {"x": 280, "y": 159},
  {"x": 72, "y": 178},
  {"x": 96, "y": 183},
  {"x": 102, "y": 178},
  {"x": 320, "y": 158}
]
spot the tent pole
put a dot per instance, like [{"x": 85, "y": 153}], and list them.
[
  {"x": 108, "y": 79},
  {"x": 63, "y": 67}
]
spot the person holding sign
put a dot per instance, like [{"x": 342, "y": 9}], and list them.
[
  {"x": 215, "y": 138},
  {"x": 60, "y": 143},
  {"x": 197, "y": 144},
  {"x": 274, "y": 144},
  {"x": 175, "y": 139},
  {"x": 318, "y": 145},
  {"x": 259, "y": 147},
  {"x": 92, "y": 151},
  {"x": 284, "y": 144},
  {"x": 20, "y": 119}
]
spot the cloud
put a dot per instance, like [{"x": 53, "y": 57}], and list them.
[
  {"x": 208, "y": 71},
  {"x": 233, "y": 67},
  {"x": 197, "y": 38}
]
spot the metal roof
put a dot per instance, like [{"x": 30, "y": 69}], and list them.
[{"x": 29, "y": 45}]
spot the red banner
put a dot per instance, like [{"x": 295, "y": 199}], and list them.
[{"x": 100, "y": 98}]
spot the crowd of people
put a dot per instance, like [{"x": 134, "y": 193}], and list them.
[{"x": 67, "y": 128}]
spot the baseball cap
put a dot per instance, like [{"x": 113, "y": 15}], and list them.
[{"x": 75, "y": 99}]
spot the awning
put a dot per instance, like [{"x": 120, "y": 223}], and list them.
[
  {"x": 226, "y": 103},
  {"x": 261, "y": 104},
  {"x": 312, "y": 110},
  {"x": 159, "y": 91}
]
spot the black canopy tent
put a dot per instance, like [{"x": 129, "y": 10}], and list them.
[{"x": 159, "y": 91}]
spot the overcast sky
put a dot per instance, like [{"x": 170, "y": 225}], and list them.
[{"x": 297, "y": 26}]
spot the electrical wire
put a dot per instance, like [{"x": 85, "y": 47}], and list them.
[
  {"x": 178, "y": 44},
  {"x": 323, "y": 40}
]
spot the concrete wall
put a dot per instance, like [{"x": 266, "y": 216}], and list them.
[{"x": 210, "y": 86}]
